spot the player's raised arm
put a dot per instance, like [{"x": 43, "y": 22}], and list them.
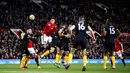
[
  {"x": 92, "y": 32},
  {"x": 60, "y": 32},
  {"x": 104, "y": 32}
]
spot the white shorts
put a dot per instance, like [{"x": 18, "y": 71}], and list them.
[
  {"x": 31, "y": 50},
  {"x": 46, "y": 39},
  {"x": 119, "y": 53}
]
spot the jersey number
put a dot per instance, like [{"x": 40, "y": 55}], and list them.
[
  {"x": 112, "y": 30},
  {"x": 81, "y": 26}
]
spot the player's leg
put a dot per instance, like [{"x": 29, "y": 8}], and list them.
[
  {"x": 111, "y": 51},
  {"x": 58, "y": 57},
  {"x": 121, "y": 57},
  {"x": 72, "y": 50},
  {"x": 105, "y": 56},
  {"x": 57, "y": 54},
  {"x": 37, "y": 62},
  {"x": 37, "y": 59},
  {"x": 111, "y": 60},
  {"x": 44, "y": 40},
  {"x": 26, "y": 62},
  {"x": 47, "y": 52},
  {"x": 59, "y": 50},
  {"x": 66, "y": 51},
  {"x": 50, "y": 49},
  {"x": 105, "y": 59},
  {"x": 84, "y": 57},
  {"x": 32, "y": 52},
  {"x": 24, "y": 56},
  {"x": 41, "y": 49},
  {"x": 66, "y": 57},
  {"x": 22, "y": 62}
]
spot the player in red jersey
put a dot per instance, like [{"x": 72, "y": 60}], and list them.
[
  {"x": 119, "y": 50},
  {"x": 46, "y": 39}
]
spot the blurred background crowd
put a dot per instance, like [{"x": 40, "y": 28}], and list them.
[{"x": 14, "y": 14}]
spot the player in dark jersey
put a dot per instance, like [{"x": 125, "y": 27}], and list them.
[
  {"x": 80, "y": 40},
  {"x": 25, "y": 53},
  {"x": 59, "y": 51},
  {"x": 27, "y": 42},
  {"x": 64, "y": 35},
  {"x": 109, "y": 35}
]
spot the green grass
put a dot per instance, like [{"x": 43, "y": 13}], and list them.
[{"x": 74, "y": 68}]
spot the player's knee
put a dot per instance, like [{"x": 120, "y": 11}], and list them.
[
  {"x": 120, "y": 56},
  {"x": 52, "y": 49},
  {"x": 84, "y": 52},
  {"x": 72, "y": 50},
  {"x": 44, "y": 45},
  {"x": 67, "y": 53},
  {"x": 58, "y": 52}
]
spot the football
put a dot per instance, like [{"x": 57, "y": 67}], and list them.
[{"x": 31, "y": 17}]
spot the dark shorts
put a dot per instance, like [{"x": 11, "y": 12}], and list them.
[
  {"x": 55, "y": 42},
  {"x": 110, "y": 46},
  {"x": 80, "y": 41},
  {"x": 24, "y": 50},
  {"x": 65, "y": 47},
  {"x": 109, "y": 49}
]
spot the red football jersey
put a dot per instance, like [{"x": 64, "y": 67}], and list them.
[
  {"x": 117, "y": 45},
  {"x": 30, "y": 44},
  {"x": 49, "y": 28}
]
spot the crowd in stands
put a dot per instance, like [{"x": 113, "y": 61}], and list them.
[{"x": 16, "y": 16}]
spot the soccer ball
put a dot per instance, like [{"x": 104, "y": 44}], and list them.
[{"x": 31, "y": 17}]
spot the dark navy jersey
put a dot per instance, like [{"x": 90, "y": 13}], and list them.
[
  {"x": 81, "y": 29},
  {"x": 64, "y": 39},
  {"x": 110, "y": 35}
]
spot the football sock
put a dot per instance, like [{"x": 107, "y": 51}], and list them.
[
  {"x": 66, "y": 59},
  {"x": 84, "y": 60},
  {"x": 105, "y": 61},
  {"x": 70, "y": 57},
  {"x": 26, "y": 62},
  {"x": 22, "y": 61},
  {"x": 113, "y": 61},
  {"x": 45, "y": 53},
  {"x": 123, "y": 61},
  {"x": 57, "y": 56},
  {"x": 37, "y": 62}
]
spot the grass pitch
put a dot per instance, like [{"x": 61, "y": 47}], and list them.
[{"x": 74, "y": 68}]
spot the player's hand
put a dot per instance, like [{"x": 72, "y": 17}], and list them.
[{"x": 67, "y": 36}]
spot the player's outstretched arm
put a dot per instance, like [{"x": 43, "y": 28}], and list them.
[{"x": 92, "y": 32}]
